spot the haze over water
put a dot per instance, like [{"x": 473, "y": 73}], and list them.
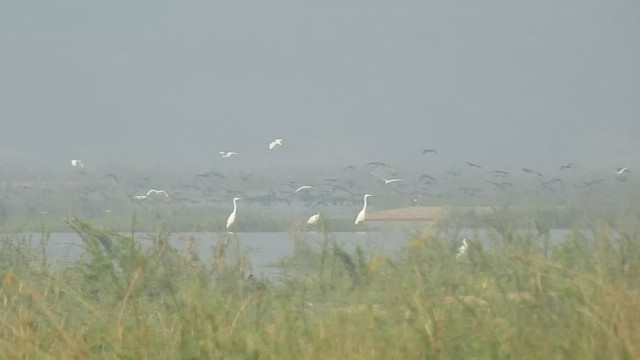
[{"x": 151, "y": 86}]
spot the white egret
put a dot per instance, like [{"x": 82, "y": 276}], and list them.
[
  {"x": 622, "y": 174},
  {"x": 274, "y": 143},
  {"x": 232, "y": 216},
  {"x": 227, "y": 154},
  {"x": 622, "y": 171},
  {"x": 386, "y": 181},
  {"x": 463, "y": 248},
  {"x": 304, "y": 187},
  {"x": 363, "y": 213},
  {"x": 154, "y": 191},
  {"x": 77, "y": 163},
  {"x": 313, "y": 219}
]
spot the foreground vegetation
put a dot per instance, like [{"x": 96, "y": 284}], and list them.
[{"x": 514, "y": 296}]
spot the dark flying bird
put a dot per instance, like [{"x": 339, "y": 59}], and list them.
[
  {"x": 426, "y": 176},
  {"x": 115, "y": 178},
  {"x": 376, "y": 164},
  {"x": 349, "y": 167},
  {"x": 594, "y": 182},
  {"x": 433, "y": 151},
  {"x": 473, "y": 165},
  {"x": 568, "y": 166},
  {"x": 529, "y": 171},
  {"x": 500, "y": 172}
]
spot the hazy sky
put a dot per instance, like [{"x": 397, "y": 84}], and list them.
[{"x": 111, "y": 80}]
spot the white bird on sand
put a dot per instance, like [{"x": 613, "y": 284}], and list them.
[
  {"x": 77, "y": 163},
  {"x": 463, "y": 248},
  {"x": 274, "y": 143},
  {"x": 313, "y": 219},
  {"x": 304, "y": 187},
  {"x": 232, "y": 216},
  {"x": 386, "y": 181},
  {"x": 227, "y": 154},
  {"x": 363, "y": 213},
  {"x": 154, "y": 191}
]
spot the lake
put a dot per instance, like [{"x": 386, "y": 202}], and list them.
[{"x": 266, "y": 248}]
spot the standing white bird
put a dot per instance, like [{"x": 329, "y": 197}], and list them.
[
  {"x": 386, "y": 181},
  {"x": 232, "y": 216},
  {"x": 227, "y": 154},
  {"x": 154, "y": 191},
  {"x": 274, "y": 143},
  {"x": 313, "y": 219},
  {"x": 303, "y": 187},
  {"x": 463, "y": 248},
  {"x": 363, "y": 213},
  {"x": 77, "y": 163}
]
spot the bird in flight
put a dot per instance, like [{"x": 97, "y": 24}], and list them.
[
  {"x": 500, "y": 172},
  {"x": 227, "y": 154},
  {"x": 115, "y": 178},
  {"x": 622, "y": 171},
  {"x": 433, "y": 151},
  {"x": 594, "y": 182},
  {"x": 303, "y": 188},
  {"x": 349, "y": 167},
  {"x": 530, "y": 171},
  {"x": 386, "y": 181},
  {"x": 426, "y": 176},
  {"x": 622, "y": 174},
  {"x": 274, "y": 143},
  {"x": 160, "y": 192},
  {"x": 77, "y": 163},
  {"x": 567, "y": 166},
  {"x": 473, "y": 165}
]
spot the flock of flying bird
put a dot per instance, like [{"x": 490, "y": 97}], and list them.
[{"x": 620, "y": 174}]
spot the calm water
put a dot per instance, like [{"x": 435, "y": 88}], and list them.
[{"x": 264, "y": 249}]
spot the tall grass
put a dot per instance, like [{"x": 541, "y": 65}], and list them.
[{"x": 520, "y": 297}]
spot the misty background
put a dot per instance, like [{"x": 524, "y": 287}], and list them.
[{"x": 171, "y": 85}]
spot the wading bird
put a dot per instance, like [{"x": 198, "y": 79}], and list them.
[
  {"x": 274, "y": 143},
  {"x": 227, "y": 154},
  {"x": 362, "y": 215},
  {"x": 313, "y": 219},
  {"x": 232, "y": 216},
  {"x": 463, "y": 248}
]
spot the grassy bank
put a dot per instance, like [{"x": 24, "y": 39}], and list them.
[{"x": 522, "y": 298}]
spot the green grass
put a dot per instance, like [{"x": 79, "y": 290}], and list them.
[{"x": 518, "y": 298}]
